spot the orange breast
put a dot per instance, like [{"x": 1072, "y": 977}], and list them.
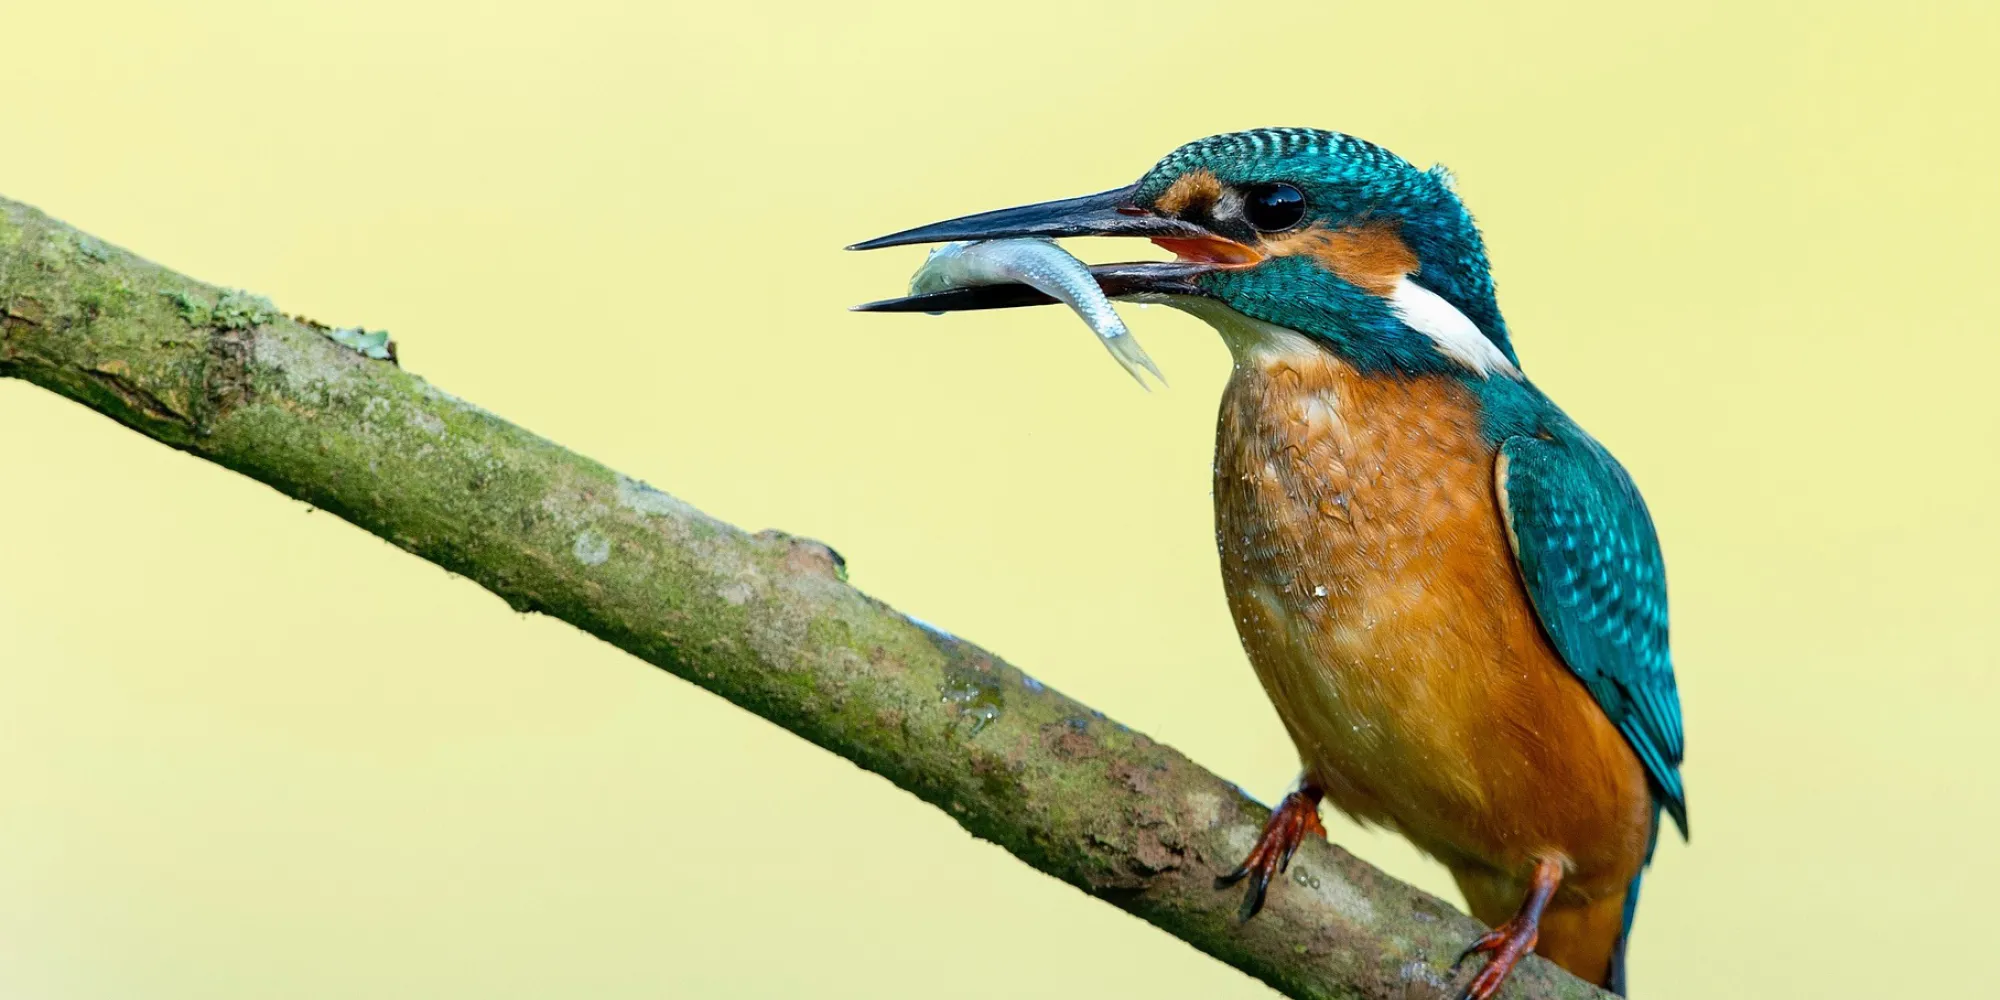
[{"x": 1371, "y": 581}]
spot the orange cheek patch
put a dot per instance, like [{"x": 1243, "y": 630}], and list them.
[{"x": 1371, "y": 257}]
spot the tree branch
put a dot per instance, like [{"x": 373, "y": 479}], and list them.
[{"x": 764, "y": 620}]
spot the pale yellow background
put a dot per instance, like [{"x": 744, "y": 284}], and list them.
[{"x": 250, "y": 751}]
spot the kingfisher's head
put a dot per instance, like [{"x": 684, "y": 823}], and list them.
[{"x": 1310, "y": 231}]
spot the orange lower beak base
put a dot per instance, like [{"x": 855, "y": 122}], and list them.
[{"x": 1209, "y": 250}]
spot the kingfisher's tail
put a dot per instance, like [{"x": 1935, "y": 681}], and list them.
[{"x": 1615, "y": 982}]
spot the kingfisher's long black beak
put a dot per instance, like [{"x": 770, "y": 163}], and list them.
[{"x": 1108, "y": 213}]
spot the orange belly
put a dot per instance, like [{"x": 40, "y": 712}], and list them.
[{"x": 1372, "y": 584}]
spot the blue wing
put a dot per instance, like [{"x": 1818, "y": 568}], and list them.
[{"x": 1592, "y": 565}]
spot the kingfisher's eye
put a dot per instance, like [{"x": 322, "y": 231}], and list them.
[{"x": 1274, "y": 207}]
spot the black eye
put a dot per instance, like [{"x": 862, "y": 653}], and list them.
[{"x": 1274, "y": 207}]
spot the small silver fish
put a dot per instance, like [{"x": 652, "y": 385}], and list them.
[{"x": 1042, "y": 265}]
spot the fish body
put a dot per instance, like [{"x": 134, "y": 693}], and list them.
[{"x": 1042, "y": 265}]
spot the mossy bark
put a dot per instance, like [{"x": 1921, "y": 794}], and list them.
[{"x": 764, "y": 620}]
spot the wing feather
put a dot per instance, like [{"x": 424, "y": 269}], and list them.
[{"x": 1591, "y": 560}]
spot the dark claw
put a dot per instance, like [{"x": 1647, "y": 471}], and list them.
[
  {"x": 1481, "y": 943},
  {"x": 1253, "y": 897}
]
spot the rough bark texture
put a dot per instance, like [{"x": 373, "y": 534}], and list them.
[{"x": 764, "y": 620}]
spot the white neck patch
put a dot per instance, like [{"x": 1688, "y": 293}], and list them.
[{"x": 1456, "y": 336}]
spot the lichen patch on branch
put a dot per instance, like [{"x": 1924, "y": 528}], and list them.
[
  {"x": 592, "y": 549},
  {"x": 376, "y": 345}
]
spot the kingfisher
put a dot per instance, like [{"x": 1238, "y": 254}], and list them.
[{"x": 1453, "y": 595}]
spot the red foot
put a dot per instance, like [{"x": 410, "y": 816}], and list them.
[
  {"x": 1295, "y": 817},
  {"x": 1511, "y": 942}
]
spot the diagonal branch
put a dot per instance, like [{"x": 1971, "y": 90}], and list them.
[{"x": 764, "y": 620}]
